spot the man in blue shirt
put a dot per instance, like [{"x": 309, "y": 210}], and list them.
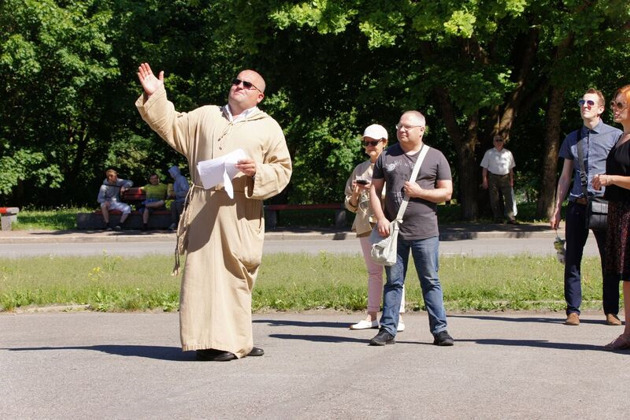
[{"x": 597, "y": 140}]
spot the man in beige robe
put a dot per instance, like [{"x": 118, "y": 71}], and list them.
[{"x": 222, "y": 236}]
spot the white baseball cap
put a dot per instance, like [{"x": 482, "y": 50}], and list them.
[{"x": 375, "y": 131}]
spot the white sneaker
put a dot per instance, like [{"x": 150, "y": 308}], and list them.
[
  {"x": 364, "y": 324},
  {"x": 401, "y": 325}
]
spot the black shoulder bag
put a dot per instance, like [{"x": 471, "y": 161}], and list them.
[{"x": 596, "y": 207}]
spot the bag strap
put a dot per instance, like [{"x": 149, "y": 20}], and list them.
[
  {"x": 414, "y": 175},
  {"x": 583, "y": 176}
]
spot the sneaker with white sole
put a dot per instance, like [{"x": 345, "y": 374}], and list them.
[
  {"x": 364, "y": 324},
  {"x": 401, "y": 325}
]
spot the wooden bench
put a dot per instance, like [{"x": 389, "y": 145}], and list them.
[
  {"x": 272, "y": 210},
  {"x": 133, "y": 196},
  {"x": 8, "y": 215},
  {"x": 159, "y": 219}
]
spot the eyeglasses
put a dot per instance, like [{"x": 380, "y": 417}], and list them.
[
  {"x": 407, "y": 127},
  {"x": 246, "y": 84},
  {"x": 618, "y": 105},
  {"x": 589, "y": 102},
  {"x": 371, "y": 143}
]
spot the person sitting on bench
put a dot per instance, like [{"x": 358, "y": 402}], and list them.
[
  {"x": 155, "y": 198},
  {"x": 109, "y": 198}
]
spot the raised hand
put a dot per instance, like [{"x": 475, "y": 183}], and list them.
[{"x": 149, "y": 82}]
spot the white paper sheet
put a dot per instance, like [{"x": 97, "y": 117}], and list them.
[{"x": 220, "y": 170}]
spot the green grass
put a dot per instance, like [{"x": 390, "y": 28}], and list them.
[
  {"x": 58, "y": 219},
  {"x": 289, "y": 282}
]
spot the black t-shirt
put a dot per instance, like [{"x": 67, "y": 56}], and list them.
[
  {"x": 618, "y": 163},
  {"x": 395, "y": 167}
]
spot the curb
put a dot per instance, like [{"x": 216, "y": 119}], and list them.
[{"x": 447, "y": 233}]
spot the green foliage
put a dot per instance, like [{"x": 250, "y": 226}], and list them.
[
  {"x": 68, "y": 82},
  {"x": 26, "y": 164},
  {"x": 326, "y": 150}
]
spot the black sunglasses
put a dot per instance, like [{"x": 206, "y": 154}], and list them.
[
  {"x": 617, "y": 105},
  {"x": 246, "y": 84},
  {"x": 589, "y": 102},
  {"x": 371, "y": 143}
]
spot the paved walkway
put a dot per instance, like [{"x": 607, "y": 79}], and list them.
[
  {"x": 129, "y": 366},
  {"x": 447, "y": 232}
]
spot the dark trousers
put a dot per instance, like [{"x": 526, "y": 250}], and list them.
[
  {"x": 577, "y": 233},
  {"x": 499, "y": 185},
  {"x": 177, "y": 207}
]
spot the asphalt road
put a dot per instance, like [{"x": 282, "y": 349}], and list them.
[
  {"x": 130, "y": 366},
  {"x": 164, "y": 245}
]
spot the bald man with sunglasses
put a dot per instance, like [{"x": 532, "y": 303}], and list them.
[
  {"x": 221, "y": 236},
  {"x": 597, "y": 139}
]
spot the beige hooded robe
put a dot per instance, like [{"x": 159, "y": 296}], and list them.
[{"x": 223, "y": 237}]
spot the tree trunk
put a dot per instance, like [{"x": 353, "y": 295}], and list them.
[
  {"x": 545, "y": 204},
  {"x": 468, "y": 177},
  {"x": 466, "y": 163}
]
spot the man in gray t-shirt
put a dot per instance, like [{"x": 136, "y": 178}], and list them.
[{"x": 419, "y": 229}]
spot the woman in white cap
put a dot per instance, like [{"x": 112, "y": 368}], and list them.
[{"x": 358, "y": 201}]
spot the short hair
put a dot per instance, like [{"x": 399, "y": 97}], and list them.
[
  {"x": 111, "y": 172},
  {"x": 625, "y": 91},
  {"x": 418, "y": 115},
  {"x": 600, "y": 95}
]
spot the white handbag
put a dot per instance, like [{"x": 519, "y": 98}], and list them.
[{"x": 383, "y": 250}]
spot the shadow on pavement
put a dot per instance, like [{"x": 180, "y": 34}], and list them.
[
  {"x": 285, "y": 322},
  {"x": 174, "y": 354},
  {"x": 458, "y": 232},
  {"x": 102, "y": 232},
  {"x": 320, "y": 338},
  {"x": 559, "y": 320},
  {"x": 533, "y": 343}
]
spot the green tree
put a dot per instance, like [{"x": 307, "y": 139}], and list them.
[
  {"x": 474, "y": 67},
  {"x": 68, "y": 78},
  {"x": 54, "y": 63}
]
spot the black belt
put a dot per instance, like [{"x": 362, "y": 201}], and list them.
[
  {"x": 581, "y": 201},
  {"x": 498, "y": 175}
]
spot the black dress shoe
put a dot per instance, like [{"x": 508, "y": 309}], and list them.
[
  {"x": 256, "y": 351},
  {"x": 224, "y": 356},
  {"x": 207, "y": 355}
]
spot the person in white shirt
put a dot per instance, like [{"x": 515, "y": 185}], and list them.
[{"x": 498, "y": 176}]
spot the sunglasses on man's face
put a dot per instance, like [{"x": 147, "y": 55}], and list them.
[
  {"x": 588, "y": 102},
  {"x": 246, "y": 84},
  {"x": 617, "y": 105},
  {"x": 371, "y": 143}
]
